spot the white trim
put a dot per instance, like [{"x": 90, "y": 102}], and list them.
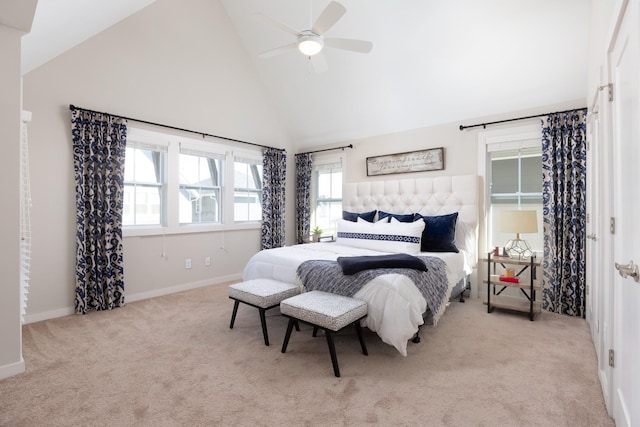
[
  {"x": 174, "y": 145},
  {"x": 326, "y": 161},
  {"x": 46, "y": 315},
  {"x": 247, "y": 156},
  {"x": 53, "y": 314},
  {"x": 147, "y": 138},
  {"x": 183, "y": 287},
  {"x": 202, "y": 149},
  {"x": 143, "y": 145},
  {"x": 12, "y": 369},
  {"x": 506, "y": 137},
  {"x": 322, "y": 158},
  {"x": 155, "y": 230},
  {"x": 25, "y": 116}
]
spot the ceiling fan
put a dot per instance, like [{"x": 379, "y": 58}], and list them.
[{"x": 311, "y": 42}]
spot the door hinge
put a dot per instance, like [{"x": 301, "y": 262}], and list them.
[
  {"x": 588, "y": 217},
  {"x": 612, "y": 225},
  {"x": 611, "y": 356},
  {"x": 609, "y": 87}
]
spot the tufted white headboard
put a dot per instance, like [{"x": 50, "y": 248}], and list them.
[{"x": 427, "y": 196}]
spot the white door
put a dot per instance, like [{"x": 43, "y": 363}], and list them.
[
  {"x": 592, "y": 281},
  {"x": 625, "y": 73},
  {"x": 598, "y": 303},
  {"x": 602, "y": 243},
  {"x": 592, "y": 248}
]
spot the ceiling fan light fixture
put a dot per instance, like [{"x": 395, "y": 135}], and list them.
[{"x": 310, "y": 43}]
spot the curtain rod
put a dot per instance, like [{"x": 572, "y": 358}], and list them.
[
  {"x": 327, "y": 149},
  {"x": 484, "y": 125},
  {"x": 204, "y": 134}
]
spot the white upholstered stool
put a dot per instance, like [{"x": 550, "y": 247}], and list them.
[
  {"x": 262, "y": 294},
  {"x": 327, "y": 311}
]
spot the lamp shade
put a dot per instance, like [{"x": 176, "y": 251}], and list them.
[
  {"x": 518, "y": 222},
  {"x": 310, "y": 44}
]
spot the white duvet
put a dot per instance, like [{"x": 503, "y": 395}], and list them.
[{"x": 395, "y": 305}]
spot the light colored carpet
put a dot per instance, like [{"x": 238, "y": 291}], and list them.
[{"x": 173, "y": 361}]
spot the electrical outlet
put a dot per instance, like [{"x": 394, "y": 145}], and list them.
[
  {"x": 207, "y": 261},
  {"x": 187, "y": 263}
]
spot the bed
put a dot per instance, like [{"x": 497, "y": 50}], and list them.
[{"x": 396, "y": 304}]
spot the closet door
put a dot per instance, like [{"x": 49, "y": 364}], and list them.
[{"x": 624, "y": 68}]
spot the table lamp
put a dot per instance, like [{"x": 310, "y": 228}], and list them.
[{"x": 518, "y": 222}]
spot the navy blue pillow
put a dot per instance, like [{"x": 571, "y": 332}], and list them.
[
  {"x": 399, "y": 217},
  {"x": 353, "y": 216},
  {"x": 439, "y": 233}
]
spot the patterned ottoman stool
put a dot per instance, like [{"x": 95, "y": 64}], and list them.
[
  {"x": 262, "y": 294},
  {"x": 326, "y": 311}
]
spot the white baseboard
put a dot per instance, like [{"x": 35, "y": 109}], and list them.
[
  {"x": 46, "y": 315},
  {"x": 180, "y": 288},
  {"x": 37, "y": 317},
  {"x": 7, "y": 371}
]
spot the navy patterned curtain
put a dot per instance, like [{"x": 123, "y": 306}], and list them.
[
  {"x": 564, "y": 155},
  {"x": 99, "y": 146},
  {"x": 273, "y": 197},
  {"x": 304, "y": 169}
]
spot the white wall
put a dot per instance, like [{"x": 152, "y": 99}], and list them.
[
  {"x": 460, "y": 147},
  {"x": 182, "y": 66},
  {"x": 601, "y": 23},
  {"x": 10, "y": 106}
]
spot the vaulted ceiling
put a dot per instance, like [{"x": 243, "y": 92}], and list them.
[{"x": 432, "y": 61}]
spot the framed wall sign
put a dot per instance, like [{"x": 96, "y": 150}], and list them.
[{"x": 413, "y": 161}]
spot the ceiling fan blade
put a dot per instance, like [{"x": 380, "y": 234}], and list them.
[
  {"x": 361, "y": 46},
  {"x": 278, "y": 50},
  {"x": 269, "y": 20},
  {"x": 318, "y": 63},
  {"x": 329, "y": 16}
]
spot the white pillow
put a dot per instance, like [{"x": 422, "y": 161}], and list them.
[{"x": 394, "y": 236}]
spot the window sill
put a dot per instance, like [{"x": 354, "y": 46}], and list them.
[{"x": 188, "y": 229}]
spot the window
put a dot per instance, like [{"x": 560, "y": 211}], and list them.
[
  {"x": 144, "y": 184},
  {"x": 326, "y": 194},
  {"x": 516, "y": 183},
  {"x": 200, "y": 197},
  {"x": 516, "y": 176},
  {"x": 247, "y": 194},
  {"x": 514, "y": 180},
  {"x": 175, "y": 184}
]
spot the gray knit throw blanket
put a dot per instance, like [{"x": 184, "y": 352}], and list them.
[{"x": 327, "y": 276}]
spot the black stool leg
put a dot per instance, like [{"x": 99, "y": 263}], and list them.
[
  {"x": 233, "y": 315},
  {"x": 332, "y": 350},
  {"x": 297, "y": 326},
  {"x": 361, "y": 338},
  {"x": 288, "y": 334},
  {"x": 315, "y": 331},
  {"x": 263, "y": 320}
]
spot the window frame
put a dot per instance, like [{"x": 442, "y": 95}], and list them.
[
  {"x": 511, "y": 138},
  {"x": 325, "y": 162},
  {"x": 140, "y": 142},
  {"x": 203, "y": 153},
  {"x": 251, "y": 160},
  {"x": 172, "y": 224}
]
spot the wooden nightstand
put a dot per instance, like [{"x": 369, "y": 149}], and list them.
[{"x": 526, "y": 302}]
